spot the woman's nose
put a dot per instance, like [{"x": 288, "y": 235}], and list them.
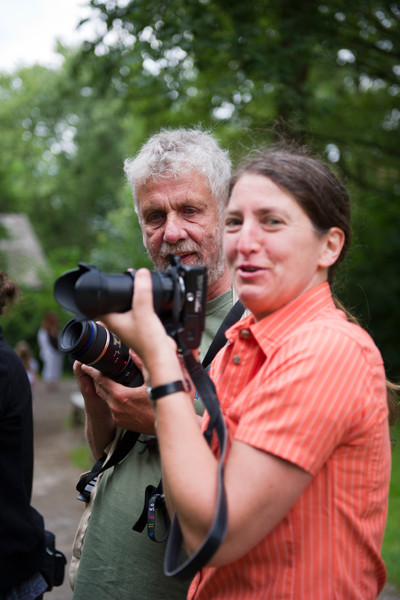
[{"x": 248, "y": 239}]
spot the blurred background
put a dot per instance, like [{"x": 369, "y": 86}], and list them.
[{"x": 84, "y": 84}]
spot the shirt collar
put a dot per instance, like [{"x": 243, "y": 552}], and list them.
[{"x": 289, "y": 317}]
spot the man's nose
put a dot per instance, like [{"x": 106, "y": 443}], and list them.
[{"x": 174, "y": 229}]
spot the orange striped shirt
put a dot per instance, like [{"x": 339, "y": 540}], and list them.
[{"x": 308, "y": 386}]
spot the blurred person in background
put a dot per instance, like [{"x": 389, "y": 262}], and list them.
[
  {"x": 50, "y": 353},
  {"x": 23, "y": 349}
]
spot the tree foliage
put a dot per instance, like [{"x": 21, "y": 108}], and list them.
[{"x": 326, "y": 74}]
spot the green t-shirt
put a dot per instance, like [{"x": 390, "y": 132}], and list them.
[{"x": 118, "y": 563}]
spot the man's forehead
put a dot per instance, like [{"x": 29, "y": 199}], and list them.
[
  {"x": 173, "y": 179},
  {"x": 188, "y": 187}
]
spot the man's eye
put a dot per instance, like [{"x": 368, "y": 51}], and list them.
[
  {"x": 189, "y": 211},
  {"x": 154, "y": 218}
]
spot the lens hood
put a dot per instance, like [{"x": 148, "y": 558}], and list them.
[
  {"x": 88, "y": 292},
  {"x": 179, "y": 296}
]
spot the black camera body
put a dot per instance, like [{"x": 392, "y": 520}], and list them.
[{"x": 179, "y": 298}]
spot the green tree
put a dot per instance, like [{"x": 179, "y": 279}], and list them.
[
  {"x": 62, "y": 151},
  {"x": 326, "y": 74}
]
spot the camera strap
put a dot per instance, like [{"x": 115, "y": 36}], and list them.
[
  {"x": 219, "y": 339},
  {"x": 124, "y": 445},
  {"x": 154, "y": 494},
  {"x": 217, "y": 531},
  {"x": 206, "y": 389},
  {"x": 154, "y": 497}
]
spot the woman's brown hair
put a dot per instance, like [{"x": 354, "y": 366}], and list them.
[{"x": 322, "y": 197}]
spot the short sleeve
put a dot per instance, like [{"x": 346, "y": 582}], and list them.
[{"x": 313, "y": 392}]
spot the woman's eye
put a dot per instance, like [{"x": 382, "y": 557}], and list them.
[
  {"x": 273, "y": 221},
  {"x": 232, "y": 222}
]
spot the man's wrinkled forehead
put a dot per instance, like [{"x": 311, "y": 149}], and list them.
[
  {"x": 189, "y": 188},
  {"x": 171, "y": 173}
]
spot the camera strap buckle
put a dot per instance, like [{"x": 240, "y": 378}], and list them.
[
  {"x": 86, "y": 483},
  {"x": 154, "y": 500}
]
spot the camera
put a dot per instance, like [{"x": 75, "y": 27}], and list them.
[
  {"x": 96, "y": 346},
  {"x": 179, "y": 299}
]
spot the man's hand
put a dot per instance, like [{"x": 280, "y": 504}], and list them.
[
  {"x": 99, "y": 424},
  {"x": 130, "y": 408},
  {"x": 85, "y": 383}
]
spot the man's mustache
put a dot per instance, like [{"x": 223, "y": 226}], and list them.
[{"x": 180, "y": 248}]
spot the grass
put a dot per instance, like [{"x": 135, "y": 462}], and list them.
[
  {"x": 391, "y": 542},
  {"x": 82, "y": 457}
]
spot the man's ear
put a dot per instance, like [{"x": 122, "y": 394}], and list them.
[{"x": 332, "y": 247}]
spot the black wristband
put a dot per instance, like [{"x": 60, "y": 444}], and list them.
[{"x": 164, "y": 390}]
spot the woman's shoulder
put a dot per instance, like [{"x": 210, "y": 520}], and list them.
[{"x": 335, "y": 331}]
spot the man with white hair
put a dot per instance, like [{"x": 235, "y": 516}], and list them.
[{"x": 180, "y": 184}]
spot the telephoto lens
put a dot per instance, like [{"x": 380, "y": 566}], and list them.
[
  {"x": 179, "y": 297},
  {"x": 94, "y": 345}
]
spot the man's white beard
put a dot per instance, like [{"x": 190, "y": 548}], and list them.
[{"x": 216, "y": 263}]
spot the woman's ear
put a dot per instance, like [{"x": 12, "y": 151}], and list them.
[{"x": 332, "y": 247}]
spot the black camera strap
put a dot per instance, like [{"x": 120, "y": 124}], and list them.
[
  {"x": 124, "y": 445},
  {"x": 217, "y": 531},
  {"x": 154, "y": 497},
  {"x": 207, "y": 392},
  {"x": 219, "y": 339},
  {"x": 128, "y": 439}
]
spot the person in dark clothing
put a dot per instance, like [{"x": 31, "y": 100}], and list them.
[{"x": 22, "y": 543}]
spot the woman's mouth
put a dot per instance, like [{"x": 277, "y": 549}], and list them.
[
  {"x": 248, "y": 268},
  {"x": 248, "y": 272}
]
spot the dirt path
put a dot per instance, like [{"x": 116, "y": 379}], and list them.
[
  {"x": 55, "y": 478},
  {"x": 54, "y": 493}
]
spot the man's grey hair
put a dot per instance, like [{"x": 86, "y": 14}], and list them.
[{"x": 172, "y": 152}]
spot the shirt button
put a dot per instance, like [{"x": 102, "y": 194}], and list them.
[
  {"x": 244, "y": 333},
  {"x": 236, "y": 359}
]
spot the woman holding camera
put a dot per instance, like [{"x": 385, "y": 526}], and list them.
[{"x": 303, "y": 394}]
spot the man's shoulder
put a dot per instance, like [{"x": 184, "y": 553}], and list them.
[{"x": 220, "y": 303}]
